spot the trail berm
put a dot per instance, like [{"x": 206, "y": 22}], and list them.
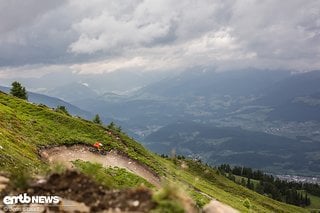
[{"x": 65, "y": 155}]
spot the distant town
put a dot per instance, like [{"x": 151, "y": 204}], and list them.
[{"x": 301, "y": 179}]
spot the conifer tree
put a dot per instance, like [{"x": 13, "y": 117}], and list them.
[
  {"x": 97, "y": 119},
  {"x": 18, "y": 91}
]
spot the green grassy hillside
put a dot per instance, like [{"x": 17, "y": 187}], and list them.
[
  {"x": 315, "y": 201},
  {"x": 25, "y": 128}
]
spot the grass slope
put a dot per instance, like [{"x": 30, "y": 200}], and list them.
[
  {"x": 315, "y": 201},
  {"x": 208, "y": 181},
  {"x": 111, "y": 177},
  {"x": 24, "y": 128}
]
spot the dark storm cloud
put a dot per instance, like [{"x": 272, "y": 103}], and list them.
[
  {"x": 160, "y": 34},
  {"x": 30, "y": 32},
  {"x": 16, "y": 13}
]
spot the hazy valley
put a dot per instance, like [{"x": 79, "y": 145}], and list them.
[{"x": 260, "y": 118}]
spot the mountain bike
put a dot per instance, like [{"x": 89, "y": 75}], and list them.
[{"x": 96, "y": 151}]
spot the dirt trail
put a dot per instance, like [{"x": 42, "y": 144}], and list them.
[{"x": 65, "y": 155}]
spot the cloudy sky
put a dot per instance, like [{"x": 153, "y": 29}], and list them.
[{"x": 96, "y": 36}]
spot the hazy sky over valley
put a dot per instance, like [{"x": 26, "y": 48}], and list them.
[{"x": 43, "y": 36}]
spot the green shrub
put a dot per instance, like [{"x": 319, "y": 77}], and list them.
[
  {"x": 19, "y": 178},
  {"x": 169, "y": 199},
  {"x": 62, "y": 109},
  {"x": 247, "y": 203}
]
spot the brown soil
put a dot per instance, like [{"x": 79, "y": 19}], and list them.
[
  {"x": 75, "y": 186},
  {"x": 65, "y": 155},
  {"x": 84, "y": 195}
]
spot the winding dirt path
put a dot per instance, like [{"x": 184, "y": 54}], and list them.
[{"x": 65, "y": 155}]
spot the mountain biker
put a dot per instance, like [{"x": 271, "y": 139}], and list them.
[{"x": 98, "y": 145}]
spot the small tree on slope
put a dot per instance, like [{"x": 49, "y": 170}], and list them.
[
  {"x": 97, "y": 119},
  {"x": 18, "y": 90}
]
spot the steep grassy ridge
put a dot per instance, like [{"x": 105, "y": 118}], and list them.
[{"x": 25, "y": 127}]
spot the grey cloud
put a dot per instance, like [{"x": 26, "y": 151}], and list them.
[
  {"x": 278, "y": 29},
  {"x": 31, "y": 32},
  {"x": 16, "y": 13},
  {"x": 163, "y": 33}
]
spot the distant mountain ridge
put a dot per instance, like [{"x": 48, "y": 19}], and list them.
[
  {"x": 53, "y": 103},
  {"x": 207, "y": 83},
  {"x": 286, "y": 97}
]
